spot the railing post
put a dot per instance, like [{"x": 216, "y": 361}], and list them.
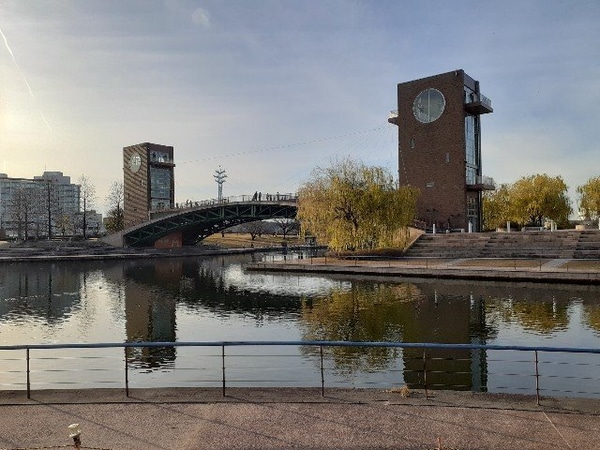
[
  {"x": 425, "y": 373},
  {"x": 28, "y": 374},
  {"x": 126, "y": 372},
  {"x": 223, "y": 366},
  {"x": 322, "y": 373},
  {"x": 537, "y": 379}
]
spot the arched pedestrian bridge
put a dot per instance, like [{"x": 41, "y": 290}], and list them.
[{"x": 193, "y": 221}]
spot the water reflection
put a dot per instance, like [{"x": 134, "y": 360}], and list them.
[
  {"x": 214, "y": 286},
  {"x": 592, "y": 317},
  {"x": 404, "y": 312},
  {"x": 196, "y": 299},
  {"x": 41, "y": 292}
]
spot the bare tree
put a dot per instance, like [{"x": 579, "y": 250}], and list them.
[
  {"x": 286, "y": 226},
  {"x": 65, "y": 225},
  {"x": 22, "y": 208},
  {"x": 49, "y": 204},
  {"x": 255, "y": 229},
  {"x": 87, "y": 197},
  {"x": 114, "y": 199}
]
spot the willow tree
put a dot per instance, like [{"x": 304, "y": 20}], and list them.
[
  {"x": 352, "y": 206},
  {"x": 589, "y": 198}
]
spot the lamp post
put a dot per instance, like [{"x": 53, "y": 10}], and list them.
[
  {"x": 75, "y": 434},
  {"x": 219, "y": 177}
]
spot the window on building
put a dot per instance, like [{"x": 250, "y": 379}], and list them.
[
  {"x": 161, "y": 157},
  {"x": 160, "y": 187},
  {"x": 472, "y": 208}
]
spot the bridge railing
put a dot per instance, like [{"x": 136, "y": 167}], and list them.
[
  {"x": 536, "y": 371},
  {"x": 258, "y": 197}
]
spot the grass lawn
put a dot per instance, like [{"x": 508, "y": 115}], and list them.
[
  {"x": 514, "y": 263},
  {"x": 244, "y": 240},
  {"x": 581, "y": 264}
]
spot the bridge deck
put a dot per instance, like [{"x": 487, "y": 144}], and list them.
[{"x": 191, "y": 223}]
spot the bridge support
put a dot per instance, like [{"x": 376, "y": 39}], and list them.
[{"x": 173, "y": 240}]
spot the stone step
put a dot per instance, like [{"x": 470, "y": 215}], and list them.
[{"x": 530, "y": 244}]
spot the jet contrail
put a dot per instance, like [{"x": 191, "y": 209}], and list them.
[{"x": 12, "y": 55}]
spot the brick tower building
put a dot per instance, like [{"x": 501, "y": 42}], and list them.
[
  {"x": 148, "y": 181},
  {"x": 439, "y": 148}
]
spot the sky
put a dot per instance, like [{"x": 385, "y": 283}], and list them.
[{"x": 268, "y": 90}]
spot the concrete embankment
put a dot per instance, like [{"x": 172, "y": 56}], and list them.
[
  {"x": 71, "y": 253},
  {"x": 547, "y": 271}
]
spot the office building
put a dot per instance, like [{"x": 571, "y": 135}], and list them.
[{"x": 42, "y": 207}]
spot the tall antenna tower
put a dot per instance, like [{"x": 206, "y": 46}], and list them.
[{"x": 219, "y": 177}]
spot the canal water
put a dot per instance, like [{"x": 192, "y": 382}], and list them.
[{"x": 203, "y": 299}]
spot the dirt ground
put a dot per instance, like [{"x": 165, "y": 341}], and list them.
[{"x": 244, "y": 240}]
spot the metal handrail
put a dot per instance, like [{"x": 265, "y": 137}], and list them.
[
  {"x": 317, "y": 344},
  {"x": 449, "y": 264}
]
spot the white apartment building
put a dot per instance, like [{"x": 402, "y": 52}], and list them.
[{"x": 42, "y": 207}]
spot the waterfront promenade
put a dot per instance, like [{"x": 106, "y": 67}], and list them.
[
  {"x": 295, "y": 419},
  {"x": 492, "y": 269},
  {"x": 301, "y": 418}
]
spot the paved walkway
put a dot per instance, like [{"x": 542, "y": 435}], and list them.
[
  {"x": 295, "y": 419},
  {"x": 543, "y": 270}
]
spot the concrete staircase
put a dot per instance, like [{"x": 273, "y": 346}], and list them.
[
  {"x": 451, "y": 246},
  {"x": 567, "y": 244},
  {"x": 588, "y": 245}
]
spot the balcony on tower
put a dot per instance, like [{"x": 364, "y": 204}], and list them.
[
  {"x": 481, "y": 183},
  {"x": 478, "y": 103},
  {"x": 393, "y": 118}
]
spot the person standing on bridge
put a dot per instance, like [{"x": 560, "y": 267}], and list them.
[
  {"x": 254, "y": 196},
  {"x": 259, "y": 196}
]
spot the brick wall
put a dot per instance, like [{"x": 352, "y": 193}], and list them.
[
  {"x": 135, "y": 186},
  {"x": 431, "y": 156}
]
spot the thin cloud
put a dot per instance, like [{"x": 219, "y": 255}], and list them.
[
  {"x": 14, "y": 60},
  {"x": 201, "y": 17}
]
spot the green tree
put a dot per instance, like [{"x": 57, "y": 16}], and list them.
[
  {"x": 496, "y": 207},
  {"x": 589, "y": 198},
  {"x": 115, "y": 218},
  {"x": 538, "y": 197},
  {"x": 353, "y": 206}
]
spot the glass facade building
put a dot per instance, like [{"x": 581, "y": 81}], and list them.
[{"x": 148, "y": 181}]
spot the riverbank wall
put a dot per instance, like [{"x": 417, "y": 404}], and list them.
[{"x": 46, "y": 251}]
